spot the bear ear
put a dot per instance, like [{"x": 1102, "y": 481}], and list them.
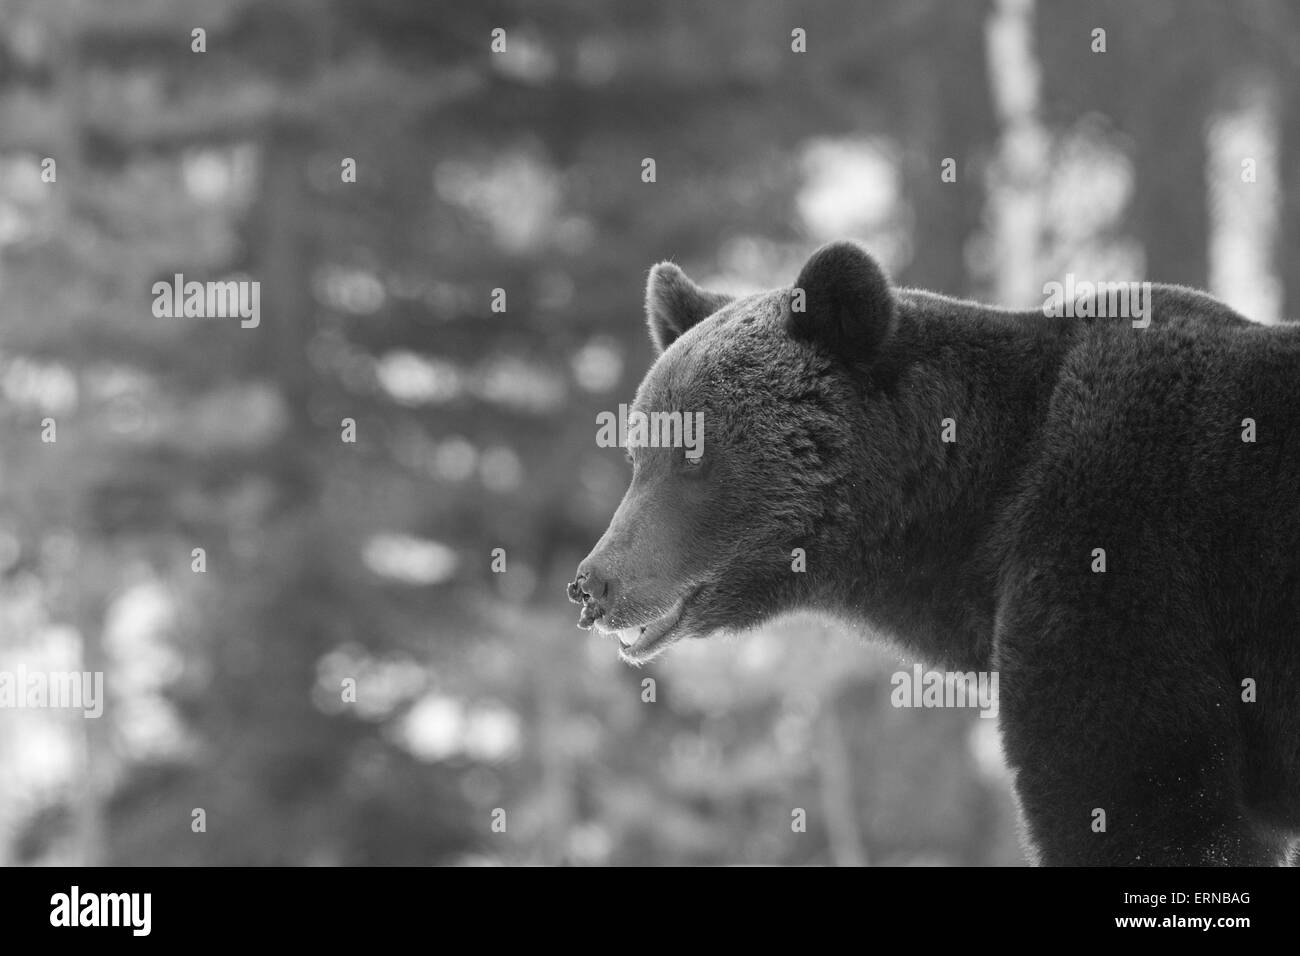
[
  {"x": 847, "y": 303},
  {"x": 673, "y": 303}
]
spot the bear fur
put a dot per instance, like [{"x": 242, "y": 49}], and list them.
[{"x": 1100, "y": 532}]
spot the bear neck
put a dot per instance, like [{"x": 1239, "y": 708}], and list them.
[{"x": 929, "y": 580}]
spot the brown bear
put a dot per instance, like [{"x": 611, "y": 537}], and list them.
[{"x": 1102, "y": 509}]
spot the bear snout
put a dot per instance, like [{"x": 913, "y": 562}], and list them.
[{"x": 590, "y": 589}]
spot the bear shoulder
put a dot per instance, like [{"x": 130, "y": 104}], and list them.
[{"x": 1174, "y": 303}]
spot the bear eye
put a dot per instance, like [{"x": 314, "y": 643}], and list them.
[
  {"x": 627, "y": 454},
  {"x": 689, "y": 462}
]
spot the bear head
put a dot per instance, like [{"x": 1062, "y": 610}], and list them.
[{"x": 794, "y": 455}]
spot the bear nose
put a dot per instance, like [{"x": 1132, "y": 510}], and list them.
[{"x": 594, "y": 591}]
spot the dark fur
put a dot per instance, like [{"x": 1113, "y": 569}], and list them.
[{"x": 1119, "y": 691}]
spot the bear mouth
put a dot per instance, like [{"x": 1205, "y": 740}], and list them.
[{"x": 643, "y": 642}]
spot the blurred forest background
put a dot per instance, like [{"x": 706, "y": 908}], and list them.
[{"x": 1174, "y": 155}]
